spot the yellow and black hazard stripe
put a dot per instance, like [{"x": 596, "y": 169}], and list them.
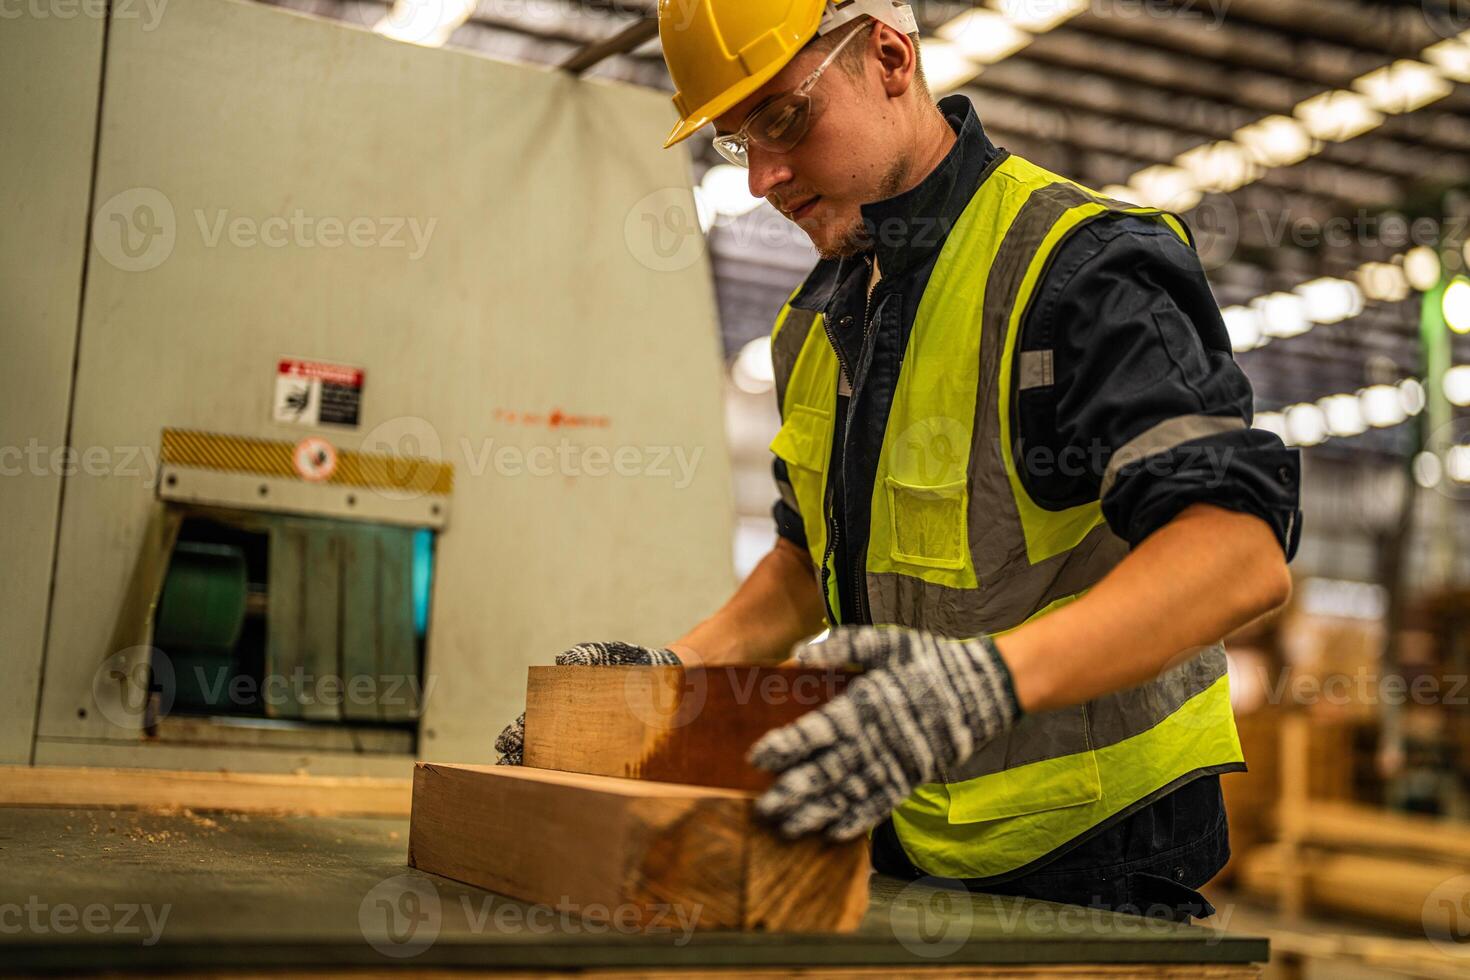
[{"x": 269, "y": 457}]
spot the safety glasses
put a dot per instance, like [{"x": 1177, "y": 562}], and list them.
[{"x": 780, "y": 122}]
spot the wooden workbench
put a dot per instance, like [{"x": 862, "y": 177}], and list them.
[{"x": 223, "y": 892}]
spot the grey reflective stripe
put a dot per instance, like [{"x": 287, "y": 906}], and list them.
[
  {"x": 997, "y": 540},
  {"x": 999, "y": 604},
  {"x": 1035, "y": 369},
  {"x": 786, "y": 346},
  {"x": 1163, "y": 437},
  {"x": 1097, "y": 724}
]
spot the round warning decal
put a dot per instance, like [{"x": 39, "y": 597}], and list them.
[{"x": 316, "y": 460}]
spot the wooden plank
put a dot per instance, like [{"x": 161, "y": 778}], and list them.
[
  {"x": 1388, "y": 890},
  {"x": 1060, "y": 971},
  {"x": 669, "y": 724},
  {"x": 63, "y": 786},
  {"x": 1295, "y": 787},
  {"x": 1362, "y": 828},
  {"x": 636, "y": 850}
]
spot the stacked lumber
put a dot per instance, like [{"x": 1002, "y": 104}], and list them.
[
  {"x": 1360, "y": 860},
  {"x": 1394, "y": 890},
  {"x": 636, "y": 804}
]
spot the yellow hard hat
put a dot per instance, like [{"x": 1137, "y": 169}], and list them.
[{"x": 720, "y": 51}]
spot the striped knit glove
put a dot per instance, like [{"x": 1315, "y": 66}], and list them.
[
  {"x": 924, "y": 705},
  {"x": 511, "y": 744}
]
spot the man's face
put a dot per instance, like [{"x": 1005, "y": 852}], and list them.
[{"x": 845, "y": 160}]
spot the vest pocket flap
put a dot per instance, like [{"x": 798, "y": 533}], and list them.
[
  {"x": 804, "y": 436},
  {"x": 927, "y": 523},
  {"x": 1071, "y": 780}
]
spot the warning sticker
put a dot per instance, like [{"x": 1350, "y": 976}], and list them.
[{"x": 317, "y": 393}]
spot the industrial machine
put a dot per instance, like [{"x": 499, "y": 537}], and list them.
[{"x": 347, "y": 379}]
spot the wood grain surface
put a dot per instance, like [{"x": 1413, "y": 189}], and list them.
[
  {"x": 670, "y": 724},
  {"x": 634, "y": 850}
]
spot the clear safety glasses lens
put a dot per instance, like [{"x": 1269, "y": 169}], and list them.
[{"x": 778, "y": 125}]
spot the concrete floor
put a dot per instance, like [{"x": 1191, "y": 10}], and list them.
[{"x": 146, "y": 890}]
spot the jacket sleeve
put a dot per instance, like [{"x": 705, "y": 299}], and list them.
[
  {"x": 788, "y": 518},
  {"x": 1128, "y": 391}
]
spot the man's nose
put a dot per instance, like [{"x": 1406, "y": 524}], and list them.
[{"x": 768, "y": 170}]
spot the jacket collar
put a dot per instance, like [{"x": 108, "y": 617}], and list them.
[{"x": 909, "y": 227}]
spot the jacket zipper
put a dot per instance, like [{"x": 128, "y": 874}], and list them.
[{"x": 834, "y": 527}]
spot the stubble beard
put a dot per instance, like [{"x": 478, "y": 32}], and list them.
[{"x": 857, "y": 238}]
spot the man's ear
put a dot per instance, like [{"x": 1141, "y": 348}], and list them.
[{"x": 896, "y": 59}]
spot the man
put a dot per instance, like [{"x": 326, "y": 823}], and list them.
[{"x": 1014, "y": 438}]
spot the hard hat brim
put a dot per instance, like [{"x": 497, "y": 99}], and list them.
[{"x": 728, "y": 99}]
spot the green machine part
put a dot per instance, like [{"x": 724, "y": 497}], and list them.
[{"x": 203, "y": 601}]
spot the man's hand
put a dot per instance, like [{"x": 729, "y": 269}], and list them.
[
  {"x": 923, "y": 705},
  {"x": 511, "y": 744}
]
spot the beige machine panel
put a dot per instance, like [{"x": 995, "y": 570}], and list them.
[
  {"x": 491, "y": 245},
  {"x": 50, "y": 71}
]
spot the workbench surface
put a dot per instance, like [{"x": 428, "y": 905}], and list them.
[{"x": 141, "y": 891}]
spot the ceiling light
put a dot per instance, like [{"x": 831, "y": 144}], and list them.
[
  {"x": 1421, "y": 268},
  {"x": 426, "y": 22},
  {"x": 1451, "y": 57},
  {"x": 1344, "y": 415},
  {"x": 982, "y": 35},
  {"x": 1305, "y": 425},
  {"x": 1411, "y": 396},
  {"x": 1382, "y": 406},
  {"x": 1220, "y": 166},
  {"x": 1456, "y": 306},
  {"x": 1457, "y": 384},
  {"x": 752, "y": 371},
  {"x": 1271, "y": 422},
  {"x": 1244, "y": 326},
  {"x": 945, "y": 66},
  {"x": 727, "y": 189},
  {"x": 1329, "y": 300},
  {"x": 1428, "y": 470},
  {"x": 1403, "y": 86},
  {"x": 1457, "y": 463},
  {"x": 1276, "y": 141},
  {"x": 704, "y": 210},
  {"x": 1282, "y": 314},
  {"x": 1337, "y": 115},
  {"x": 1038, "y": 16},
  {"x": 1169, "y": 188},
  {"x": 1382, "y": 282}
]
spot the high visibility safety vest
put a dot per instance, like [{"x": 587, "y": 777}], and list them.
[{"x": 956, "y": 546}]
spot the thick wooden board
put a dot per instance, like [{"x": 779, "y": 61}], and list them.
[
  {"x": 670, "y": 724},
  {"x": 637, "y": 851},
  {"x": 1366, "y": 828},
  {"x": 51, "y": 786},
  {"x": 1399, "y": 891}
]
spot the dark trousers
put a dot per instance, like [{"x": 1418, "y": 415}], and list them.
[{"x": 1148, "y": 863}]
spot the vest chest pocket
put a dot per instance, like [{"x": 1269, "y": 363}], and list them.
[
  {"x": 805, "y": 438},
  {"x": 928, "y": 524}
]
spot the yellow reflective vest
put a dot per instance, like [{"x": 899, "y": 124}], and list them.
[{"x": 956, "y": 546}]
